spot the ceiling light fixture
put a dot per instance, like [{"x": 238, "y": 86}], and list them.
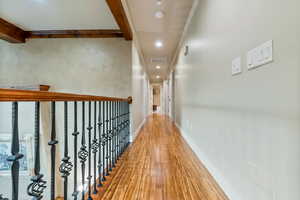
[
  {"x": 158, "y": 44},
  {"x": 159, "y": 14},
  {"x": 159, "y": 2},
  {"x": 157, "y": 67}
]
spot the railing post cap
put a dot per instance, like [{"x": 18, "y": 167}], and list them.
[{"x": 130, "y": 100}]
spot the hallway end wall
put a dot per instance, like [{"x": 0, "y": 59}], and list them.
[{"x": 244, "y": 128}]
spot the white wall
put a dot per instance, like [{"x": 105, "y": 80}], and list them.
[
  {"x": 140, "y": 92},
  {"x": 88, "y": 66},
  {"x": 245, "y": 128}
]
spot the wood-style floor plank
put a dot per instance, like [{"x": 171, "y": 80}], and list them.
[{"x": 160, "y": 165}]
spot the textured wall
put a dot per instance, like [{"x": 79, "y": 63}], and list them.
[
  {"x": 89, "y": 66},
  {"x": 245, "y": 128}
]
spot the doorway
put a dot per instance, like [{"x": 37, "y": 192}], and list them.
[{"x": 156, "y": 94}]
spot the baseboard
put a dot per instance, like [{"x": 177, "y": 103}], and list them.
[{"x": 219, "y": 178}]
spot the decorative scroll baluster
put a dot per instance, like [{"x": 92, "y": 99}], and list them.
[
  {"x": 118, "y": 129},
  {"x": 125, "y": 127},
  {"x": 36, "y": 188},
  {"x": 110, "y": 136},
  {"x": 95, "y": 148},
  {"x": 122, "y": 127},
  {"x": 89, "y": 128},
  {"x": 53, "y": 143},
  {"x": 127, "y": 124},
  {"x": 66, "y": 166},
  {"x": 107, "y": 140},
  {"x": 2, "y": 198},
  {"x": 114, "y": 133},
  {"x": 103, "y": 141},
  {"x": 15, "y": 155},
  {"x": 99, "y": 146},
  {"x": 83, "y": 153},
  {"x": 75, "y": 134}
]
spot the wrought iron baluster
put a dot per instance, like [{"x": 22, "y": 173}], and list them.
[
  {"x": 128, "y": 123},
  {"x": 66, "y": 166},
  {"x": 75, "y": 134},
  {"x": 125, "y": 127},
  {"x": 118, "y": 129},
  {"x": 103, "y": 141},
  {"x": 122, "y": 127},
  {"x": 107, "y": 140},
  {"x": 89, "y": 128},
  {"x": 114, "y": 134},
  {"x": 53, "y": 143},
  {"x": 110, "y": 136},
  {"x": 36, "y": 188},
  {"x": 95, "y": 148},
  {"x": 3, "y": 198},
  {"x": 15, "y": 154},
  {"x": 83, "y": 153},
  {"x": 99, "y": 146},
  {"x": 124, "y": 135}
]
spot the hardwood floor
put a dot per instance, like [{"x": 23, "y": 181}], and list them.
[{"x": 160, "y": 166}]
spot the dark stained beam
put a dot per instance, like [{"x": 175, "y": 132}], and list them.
[
  {"x": 118, "y": 12},
  {"x": 11, "y": 33},
  {"x": 74, "y": 34}
]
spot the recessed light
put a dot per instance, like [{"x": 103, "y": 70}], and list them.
[
  {"x": 158, "y": 44},
  {"x": 157, "y": 67},
  {"x": 157, "y": 77},
  {"x": 159, "y": 2},
  {"x": 159, "y": 14}
]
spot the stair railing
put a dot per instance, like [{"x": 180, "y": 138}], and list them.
[{"x": 104, "y": 138}]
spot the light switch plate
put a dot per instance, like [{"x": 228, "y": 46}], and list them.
[
  {"x": 236, "y": 66},
  {"x": 260, "y": 55}
]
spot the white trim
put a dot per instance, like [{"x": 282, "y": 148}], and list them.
[{"x": 219, "y": 178}]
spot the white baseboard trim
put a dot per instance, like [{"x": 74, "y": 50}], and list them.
[
  {"x": 132, "y": 138},
  {"x": 219, "y": 178}
]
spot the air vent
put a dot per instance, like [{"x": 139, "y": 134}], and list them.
[{"x": 159, "y": 60}]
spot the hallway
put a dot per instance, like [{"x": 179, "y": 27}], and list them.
[{"x": 161, "y": 166}]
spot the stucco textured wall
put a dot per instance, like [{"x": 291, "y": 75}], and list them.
[
  {"x": 87, "y": 66},
  {"x": 90, "y": 66}
]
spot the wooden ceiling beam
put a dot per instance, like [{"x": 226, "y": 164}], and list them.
[
  {"x": 11, "y": 33},
  {"x": 119, "y": 14},
  {"x": 74, "y": 34},
  {"x": 14, "y": 34}
]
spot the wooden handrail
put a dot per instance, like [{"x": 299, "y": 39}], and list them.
[{"x": 11, "y": 95}]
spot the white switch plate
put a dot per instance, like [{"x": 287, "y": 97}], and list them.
[
  {"x": 260, "y": 55},
  {"x": 236, "y": 67}
]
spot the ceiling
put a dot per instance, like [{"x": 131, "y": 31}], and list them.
[
  {"x": 167, "y": 29},
  {"x": 58, "y": 14},
  {"x": 31, "y": 15}
]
